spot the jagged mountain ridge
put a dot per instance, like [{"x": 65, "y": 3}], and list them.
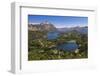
[
  {"x": 42, "y": 27},
  {"x": 46, "y": 26}
]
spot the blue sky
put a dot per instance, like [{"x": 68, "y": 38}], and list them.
[{"x": 59, "y": 21}]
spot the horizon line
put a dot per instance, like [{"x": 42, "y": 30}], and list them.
[{"x": 64, "y": 26}]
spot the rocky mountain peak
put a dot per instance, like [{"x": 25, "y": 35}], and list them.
[{"x": 43, "y": 26}]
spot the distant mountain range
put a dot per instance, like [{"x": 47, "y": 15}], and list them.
[
  {"x": 83, "y": 30},
  {"x": 46, "y": 26}
]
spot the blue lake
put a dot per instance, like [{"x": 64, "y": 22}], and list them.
[
  {"x": 70, "y": 46},
  {"x": 52, "y": 35}
]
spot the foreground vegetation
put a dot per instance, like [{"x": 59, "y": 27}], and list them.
[{"x": 40, "y": 48}]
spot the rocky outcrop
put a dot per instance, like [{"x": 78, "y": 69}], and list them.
[{"x": 44, "y": 26}]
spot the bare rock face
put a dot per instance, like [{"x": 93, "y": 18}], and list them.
[{"x": 44, "y": 26}]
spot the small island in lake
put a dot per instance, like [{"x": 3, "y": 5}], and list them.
[{"x": 57, "y": 37}]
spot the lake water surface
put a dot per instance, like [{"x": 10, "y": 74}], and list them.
[
  {"x": 69, "y": 46},
  {"x": 52, "y": 35}
]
